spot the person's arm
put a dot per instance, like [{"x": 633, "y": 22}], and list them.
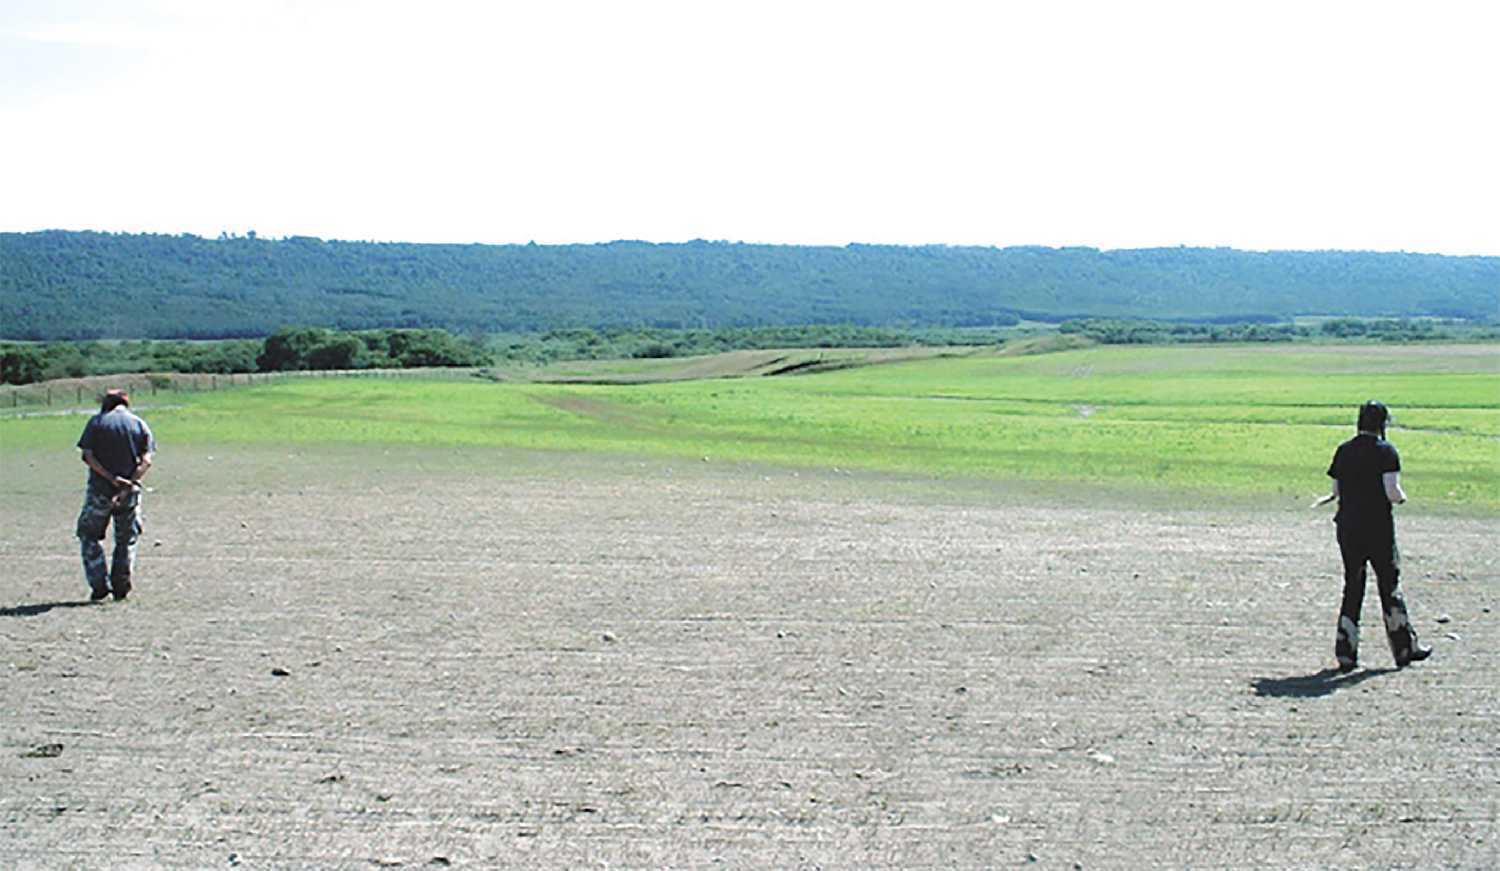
[
  {"x": 1330, "y": 497},
  {"x": 1393, "y": 491},
  {"x": 142, "y": 468},
  {"x": 93, "y": 463},
  {"x": 147, "y": 449}
]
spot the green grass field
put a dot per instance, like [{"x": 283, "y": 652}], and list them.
[{"x": 1242, "y": 421}]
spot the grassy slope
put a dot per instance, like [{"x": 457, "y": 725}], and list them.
[
  {"x": 1246, "y": 419},
  {"x": 730, "y": 364},
  {"x": 1239, "y": 420}
]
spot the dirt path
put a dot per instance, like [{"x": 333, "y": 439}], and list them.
[{"x": 688, "y": 667}]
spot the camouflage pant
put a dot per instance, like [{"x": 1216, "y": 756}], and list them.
[
  {"x": 98, "y": 511},
  {"x": 1377, "y": 548}
]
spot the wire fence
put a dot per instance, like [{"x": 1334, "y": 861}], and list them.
[{"x": 87, "y": 392}]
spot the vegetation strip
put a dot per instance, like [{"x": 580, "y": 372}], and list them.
[{"x": 1232, "y": 420}]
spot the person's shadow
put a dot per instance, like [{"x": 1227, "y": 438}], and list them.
[
  {"x": 40, "y": 608},
  {"x": 1320, "y": 683}
]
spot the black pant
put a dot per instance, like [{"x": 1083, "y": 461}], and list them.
[{"x": 1374, "y": 545}]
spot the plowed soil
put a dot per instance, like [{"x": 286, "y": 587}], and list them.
[{"x": 491, "y": 660}]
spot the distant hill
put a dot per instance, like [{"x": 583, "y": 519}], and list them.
[{"x": 69, "y": 285}]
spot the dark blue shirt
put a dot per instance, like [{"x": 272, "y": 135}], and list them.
[
  {"x": 117, "y": 439},
  {"x": 1359, "y": 465}
]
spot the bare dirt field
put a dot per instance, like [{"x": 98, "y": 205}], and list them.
[{"x": 493, "y": 660}]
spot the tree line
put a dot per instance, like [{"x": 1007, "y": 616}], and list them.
[
  {"x": 57, "y": 285},
  {"x": 316, "y": 348},
  {"x": 1138, "y": 332},
  {"x": 288, "y": 349}
]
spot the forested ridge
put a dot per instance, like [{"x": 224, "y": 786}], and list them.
[{"x": 83, "y": 285}]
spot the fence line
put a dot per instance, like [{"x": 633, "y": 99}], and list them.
[{"x": 87, "y": 391}]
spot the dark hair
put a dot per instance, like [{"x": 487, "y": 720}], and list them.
[
  {"x": 1373, "y": 417},
  {"x": 114, "y": 399}
]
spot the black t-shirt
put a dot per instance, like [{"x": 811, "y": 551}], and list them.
[{"x": 1359, "y": 466}]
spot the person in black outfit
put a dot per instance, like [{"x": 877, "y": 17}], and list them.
[{"x": 1366, "y": 473}]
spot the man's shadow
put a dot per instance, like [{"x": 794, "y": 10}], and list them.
[
  {"x": 40, "y": 608},
  {"x": 1320, "y": 683}
]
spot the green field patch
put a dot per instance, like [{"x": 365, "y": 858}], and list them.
[{"x": 1201, "y": 419}]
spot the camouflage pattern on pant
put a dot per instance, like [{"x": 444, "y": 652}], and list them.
[{"x": 99, "y": 509}]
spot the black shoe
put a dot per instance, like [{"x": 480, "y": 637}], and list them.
[
  {"x": 1346, "y": 667},
  {"x": 98, "y": 595},
  {"x": 120, "y": 597},
  {"x": 1417, "y": 655}
]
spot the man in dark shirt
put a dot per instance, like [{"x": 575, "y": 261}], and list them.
[
  {"x": 1366, "y": 473},
  {"x": 117, "y": 447}
]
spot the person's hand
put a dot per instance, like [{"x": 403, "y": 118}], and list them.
[{"x": 121, "y": 481}]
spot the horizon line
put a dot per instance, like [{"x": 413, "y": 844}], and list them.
[{"x": 252, "y": 235}]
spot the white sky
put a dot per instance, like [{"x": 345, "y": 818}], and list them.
[{"x": 1309, "y": 124}]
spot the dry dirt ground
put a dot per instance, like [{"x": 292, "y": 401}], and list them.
[{"x": 462, "y": 660}]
